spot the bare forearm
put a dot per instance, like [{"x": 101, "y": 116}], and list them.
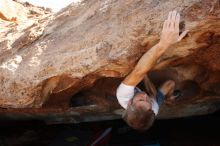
[
  {"x": 169, "y": 36},
  {"x": 145, "y": 64},
  {"x": 149, "y": 59}
]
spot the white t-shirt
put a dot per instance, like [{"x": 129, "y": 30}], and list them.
[{"x": 126, "y": 92}]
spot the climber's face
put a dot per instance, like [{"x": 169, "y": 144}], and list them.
[{"x": 141, "y": 100}]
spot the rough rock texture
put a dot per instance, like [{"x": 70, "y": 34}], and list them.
[
  {"x": 88, "y": 47},
  {"x": 12, "y": 11},
  {"x": 17, "y": 32}
]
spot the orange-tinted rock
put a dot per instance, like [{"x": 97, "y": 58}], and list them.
[
  {"x": 12, "y": 11},
  {"x": 66, "y": 54}
]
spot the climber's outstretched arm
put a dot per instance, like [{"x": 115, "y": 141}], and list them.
[{"x": 169, "y": 36}]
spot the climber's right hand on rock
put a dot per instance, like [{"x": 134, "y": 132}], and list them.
[{"x": 170, "y": 32}]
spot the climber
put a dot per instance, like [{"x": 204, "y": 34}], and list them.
[{"x": 141, "y": 108}]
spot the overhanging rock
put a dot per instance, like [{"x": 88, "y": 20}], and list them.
[{"x": 86, "y": 49}]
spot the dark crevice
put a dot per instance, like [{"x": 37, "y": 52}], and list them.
[
  {"x": 80, "y": 100},
  {"x": 101, "y": 94}
]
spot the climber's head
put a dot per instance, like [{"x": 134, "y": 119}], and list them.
[{"x": 139, "y": 114}]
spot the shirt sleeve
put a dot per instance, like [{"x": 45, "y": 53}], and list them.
[
  {"x": 124, "y": 94},
  {"x": 155, "y": 106}
]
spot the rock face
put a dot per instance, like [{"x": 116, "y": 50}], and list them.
[
  {"x": 12, "y": 11},
  {"x": 69, "y": 64}
]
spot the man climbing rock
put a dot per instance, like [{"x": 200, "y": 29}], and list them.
[{"x": 141, "y": 108}]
